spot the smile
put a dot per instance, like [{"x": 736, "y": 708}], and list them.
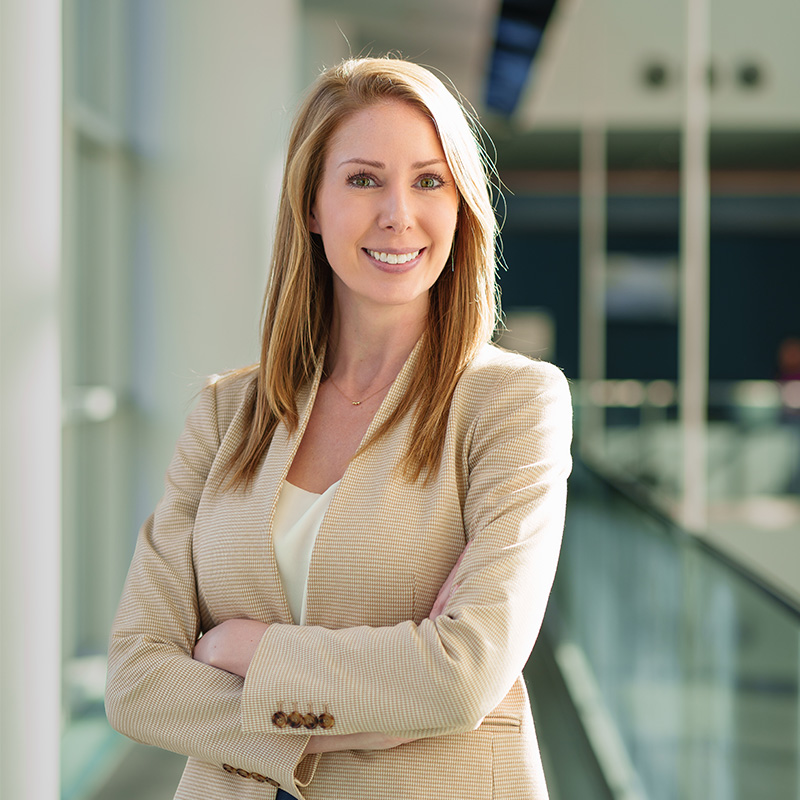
[{"x": 393, "y": 258}]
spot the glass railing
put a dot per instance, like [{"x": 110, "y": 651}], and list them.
[
  {"x": 683, "y": 668},
  {"x": 751, "y": 486}
]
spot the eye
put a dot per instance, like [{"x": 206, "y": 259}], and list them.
[
  {"x": 430, "y": 182},
  {"x": 361, "y": 180}
]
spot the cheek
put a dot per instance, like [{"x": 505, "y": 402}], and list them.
[
  {"x": 339, "y": 221},
  {"x": 447, "y": 221}
]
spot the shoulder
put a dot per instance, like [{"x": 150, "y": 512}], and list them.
[
  {"x": 514, "y": 407},
  {"x": 505, "y": 394},
  {"x": 227, "y": 393},
  {"x": 496, "y": 371}
]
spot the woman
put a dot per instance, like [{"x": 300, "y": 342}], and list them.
[{"x": 364, "y": 527}]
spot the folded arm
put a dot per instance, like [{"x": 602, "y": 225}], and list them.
[{"x": 231, "y": 645}]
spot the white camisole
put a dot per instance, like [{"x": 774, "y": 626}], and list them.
[{"x": 298, "y": 517}]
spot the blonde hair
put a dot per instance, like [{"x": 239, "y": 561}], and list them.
[{"x": 298, "y": 303}]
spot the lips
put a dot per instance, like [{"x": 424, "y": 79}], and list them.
[{"x": 393, "y": 258}]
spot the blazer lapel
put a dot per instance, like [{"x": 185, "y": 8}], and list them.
[
  {"x": 273, "y": 473},
  {"x": 355, "y": 478}
]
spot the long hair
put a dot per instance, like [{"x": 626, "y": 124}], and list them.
[{"x": 298, "y": 305}]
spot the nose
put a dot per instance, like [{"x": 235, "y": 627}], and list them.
[{"x": 396, "y": 212}]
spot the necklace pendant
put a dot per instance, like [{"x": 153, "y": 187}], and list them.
[{"x": 363, "y": 399}]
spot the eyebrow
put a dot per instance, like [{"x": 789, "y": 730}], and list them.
[{"x": 380, "y": 165}]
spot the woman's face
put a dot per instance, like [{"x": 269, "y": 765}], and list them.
[{"x": 386, "y": 207}]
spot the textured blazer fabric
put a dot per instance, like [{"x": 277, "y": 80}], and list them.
[{"x": 368, "y": 658}]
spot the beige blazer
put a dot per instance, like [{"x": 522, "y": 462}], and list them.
[{"x": 368, "y": 656}]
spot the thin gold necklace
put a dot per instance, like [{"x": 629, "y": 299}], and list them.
[{"x": 359, "y": 402}]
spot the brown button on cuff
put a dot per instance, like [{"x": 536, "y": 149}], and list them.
[
  {"x": 279, "y": 719},
  {"x": 243, "y": 773},
  {"x": 295, "y": 719},
  {"x": 310, "y": 721},
  {"x": 325, "y": 720}
]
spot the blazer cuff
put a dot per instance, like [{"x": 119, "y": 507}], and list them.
[
  {"x": 293, "y": 770},
  {"x": 261, "y": 704},
  {"x": 299, "y": 768},
  {"x": 304, "y": 772},
  {"x": 289, "y": 768}
]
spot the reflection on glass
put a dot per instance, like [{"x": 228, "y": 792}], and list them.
[{"x": 692, "y": 664}]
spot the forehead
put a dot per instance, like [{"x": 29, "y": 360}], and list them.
[{"x": 385, "y": 125}]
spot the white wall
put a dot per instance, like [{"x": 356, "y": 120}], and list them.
[
  {"x": 30, "y": 433},
  {"x": 214, "y": 94}
]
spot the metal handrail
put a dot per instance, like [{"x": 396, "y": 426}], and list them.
[{"x": 638, "y": 495}]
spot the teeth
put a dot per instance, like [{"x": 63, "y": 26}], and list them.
[{"x": 393, "y": 258}]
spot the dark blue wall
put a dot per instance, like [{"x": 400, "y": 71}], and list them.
[{"x": 754, "y": 296}]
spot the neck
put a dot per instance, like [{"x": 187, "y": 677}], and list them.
[{"x": 369, "y": 347}]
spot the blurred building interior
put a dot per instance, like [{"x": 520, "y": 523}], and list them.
[{"x": 650, "y": 161}]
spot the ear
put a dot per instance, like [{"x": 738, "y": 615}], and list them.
[{"x": 313, "y": 225}]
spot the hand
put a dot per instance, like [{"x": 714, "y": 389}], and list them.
[
  {"x": 231, "y": 645},
  {"x": 447, "y": 590},
  {"x": 353, "y": 741}
]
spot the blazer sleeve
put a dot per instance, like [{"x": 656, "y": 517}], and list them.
[
  {"x": 445, "y": 675},
  {"x": 156, "y": 693}
]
